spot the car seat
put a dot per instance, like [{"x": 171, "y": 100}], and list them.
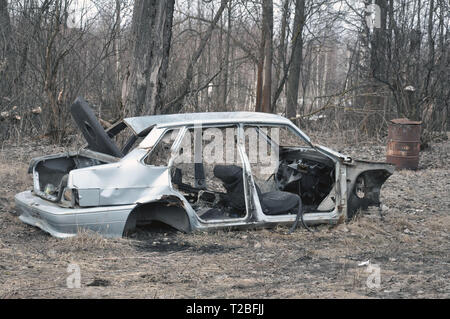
[{"x": 272, "y": 203}]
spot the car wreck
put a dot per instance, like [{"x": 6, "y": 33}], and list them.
[{"x": 196, "y": 171}]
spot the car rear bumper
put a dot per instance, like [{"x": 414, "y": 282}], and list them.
[{"x": 67, "y": 222}]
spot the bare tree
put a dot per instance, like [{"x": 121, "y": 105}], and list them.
[
  {"x": 260, "y": 70},
  {"x": 176, "y": 104},
  {"x": 268, "y": 56},
  {"x": 226, "y": 68},
  {"x": 297, "y": 59},
  {"x": 147, "y": 78},
  {"x": 146, "y": 57},
  {"x": 7, "y": 56},
  {"x": 281, "y": 65}
]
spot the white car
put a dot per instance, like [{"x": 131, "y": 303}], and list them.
[{"x": 195, "y": 171}]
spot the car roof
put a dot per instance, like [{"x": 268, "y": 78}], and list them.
[{"x": 141, "y": 123}]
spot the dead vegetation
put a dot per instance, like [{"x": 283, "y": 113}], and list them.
[{"x": 410, "y": 244}]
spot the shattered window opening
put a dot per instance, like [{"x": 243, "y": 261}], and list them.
[{"x": 160, "y": 154}]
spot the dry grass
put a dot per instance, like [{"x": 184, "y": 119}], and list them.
[
  {"x": 441, "y": 223},
  {"x": 13, "y": 176},
  {"x": 411, "y": 245},
  {"x": 85, "y": 240}
]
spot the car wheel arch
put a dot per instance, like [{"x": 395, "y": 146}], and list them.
[
  {"x": 373, "y": 180},
  {"x": 168, "y": 210}
]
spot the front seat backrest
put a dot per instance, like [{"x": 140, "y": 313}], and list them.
[{"x": 231, "y": 176}]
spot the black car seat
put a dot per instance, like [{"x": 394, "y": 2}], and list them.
[
  {"x": 98, "y": 140},
  {"x": 272, "y": 203}
]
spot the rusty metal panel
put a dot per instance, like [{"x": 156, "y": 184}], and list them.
[{"x": 403, "y": 145}]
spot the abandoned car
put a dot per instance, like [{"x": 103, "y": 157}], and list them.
[{"x": 194, "y": 172}]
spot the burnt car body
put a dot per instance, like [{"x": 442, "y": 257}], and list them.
[{"x": 110, "y": 189}]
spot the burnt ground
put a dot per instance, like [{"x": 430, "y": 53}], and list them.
[{"x": 411, "y": 246}]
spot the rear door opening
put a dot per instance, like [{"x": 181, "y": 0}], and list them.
[{"x": 208, "y": 171}]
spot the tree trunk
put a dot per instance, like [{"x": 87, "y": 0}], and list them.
[
  {"x": 259, "y": 74},
  {"x": 378, "y": 45},
  {"x": 226, "y": 66},
  {"x": 431, "y": 51},
  {"x": 378, "y": 67},
  {"x": 218, "y": 81},
  {"x": 268, "y": 55},
  {"x": 117, "y": 97},
  {"x": 282, "y": 64},
  {"x": 444, "y": 64},
  {"x": 152, "y": 32},
  {"x": 116, "y": 39},
  {"x": 201, "y": 66},
  {"x": 297, "y": 59},
  {"x": 7, "y": 56}
]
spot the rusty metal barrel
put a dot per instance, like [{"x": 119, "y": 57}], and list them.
[{"x": 403, "y": 143}]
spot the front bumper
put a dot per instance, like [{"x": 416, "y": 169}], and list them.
[{"x": 67, "y": 222}]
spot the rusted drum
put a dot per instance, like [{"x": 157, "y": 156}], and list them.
[{"x": 403, "y": 143}]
